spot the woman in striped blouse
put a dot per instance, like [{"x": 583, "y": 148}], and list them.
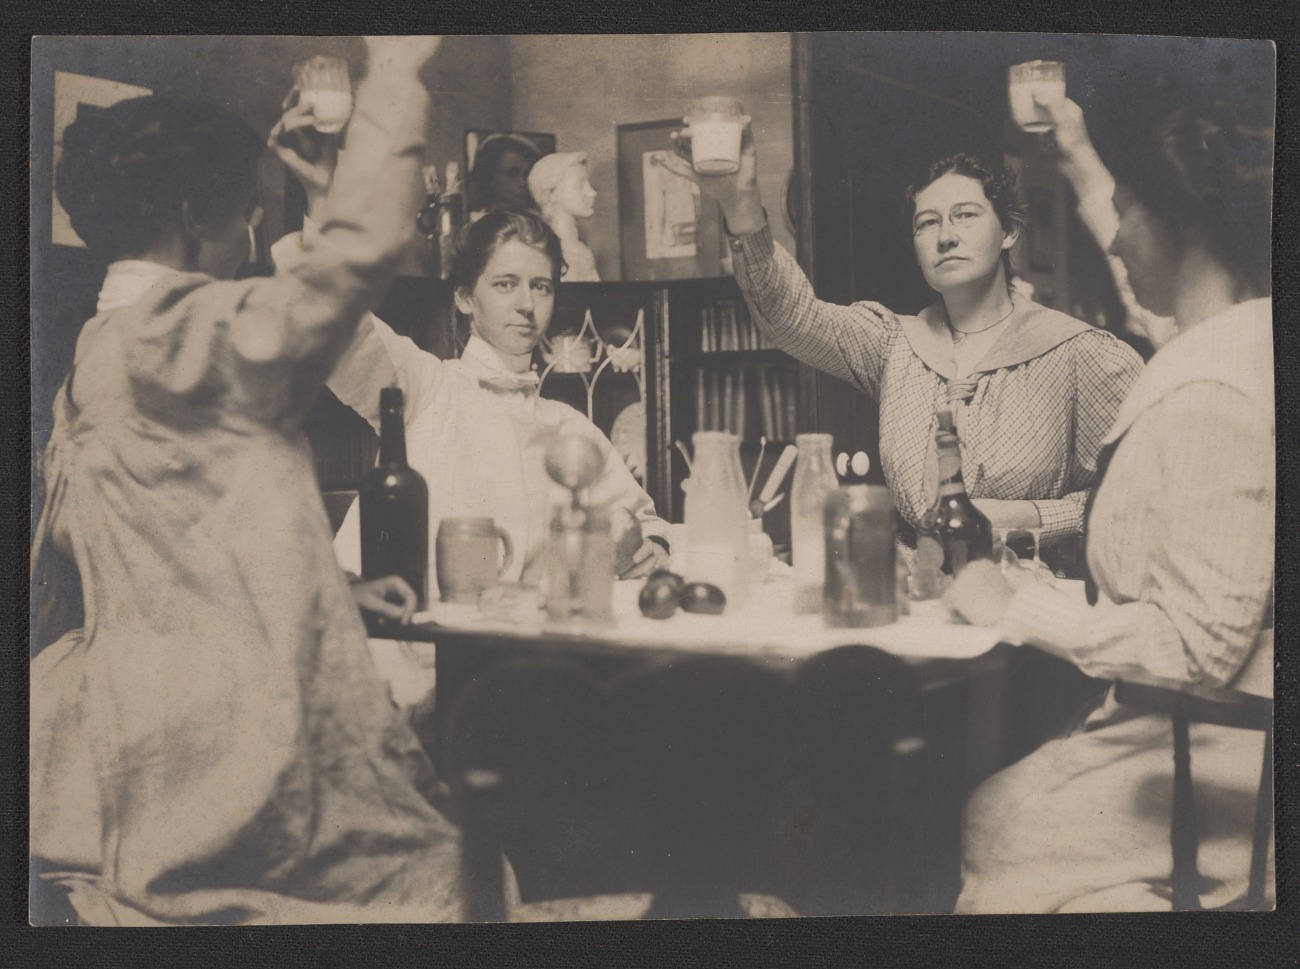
[{"x": 1032, "y": 390}]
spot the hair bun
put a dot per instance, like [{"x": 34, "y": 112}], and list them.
[
  {"x": 126, "y": 169},
  {"x": 1220, "y": 149}
]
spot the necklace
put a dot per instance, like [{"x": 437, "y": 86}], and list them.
[{"x": 959, "y": 336}]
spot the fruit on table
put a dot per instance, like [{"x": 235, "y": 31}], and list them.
[
  {"x": 667, "y": 576},
  {"x": 701, "y": 597},
  {"x": 661, "y": 594}
]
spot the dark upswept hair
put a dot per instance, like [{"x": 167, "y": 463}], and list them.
[
  {"x": 126, "y": 170},
  {"x": 1205, "y": 170},
  {"x": 478, "y": 241},
  {"x": 998, "y": 181}
]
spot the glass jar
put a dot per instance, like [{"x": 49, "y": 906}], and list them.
[
  {"x": 580, "y": 566},
  {"x": 861, "y": 582},
  {"x": 717, "y": 516},
  {"x": 814, "y": 481}
]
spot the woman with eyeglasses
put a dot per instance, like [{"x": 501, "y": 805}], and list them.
[{"x": 1032, "y": 390}]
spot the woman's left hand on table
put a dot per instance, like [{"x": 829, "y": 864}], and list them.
[
  {"x": 390, "y": 597},
  {"x": 648, "y": 557},
  {"x": 979, "y": 594}
]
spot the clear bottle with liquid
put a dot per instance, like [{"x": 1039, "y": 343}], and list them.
[
  {"x": 814, "y": 481},
  {"x": 717, "y": 516}
]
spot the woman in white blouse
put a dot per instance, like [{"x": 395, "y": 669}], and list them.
[
  {"x": 476, "y": 428},
  {"x": 1180, "y": 543}
]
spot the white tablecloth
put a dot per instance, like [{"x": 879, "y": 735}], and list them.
[{"x": 765, "y": 625}]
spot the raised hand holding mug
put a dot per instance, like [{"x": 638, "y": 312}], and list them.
[
  {"x": 1031, "y": 88},
  {"x": 716, "y": 124},
  {"x": 325, "y": 88},
  {"x": 697, "y": 155},
  {"x": 466, "y": 553}
]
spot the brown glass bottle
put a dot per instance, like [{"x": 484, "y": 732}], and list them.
[
  {"x": 961, "y": 529},
  {"x": 395, "y": 507}
]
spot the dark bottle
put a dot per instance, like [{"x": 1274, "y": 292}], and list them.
[
  {"x": 395, "y": 507},
  {"x": 962, "y": 531}
]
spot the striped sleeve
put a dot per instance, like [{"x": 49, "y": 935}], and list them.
[
  {"x": 848, "y": 342},
  {"x": 1104, "y": 372},
  {"x": 1208, "y": 570}
]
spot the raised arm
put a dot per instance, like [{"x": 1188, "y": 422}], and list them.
[
  {"x": 849, "y": 342},
  {"x": 284, "y": 333},
  {"x": 377, "y": 358},
  {"x": 365, "y": 225},
  {"x": 1094, "y": 187}
]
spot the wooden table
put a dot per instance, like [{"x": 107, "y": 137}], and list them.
[{"x": 703, "y": 756}]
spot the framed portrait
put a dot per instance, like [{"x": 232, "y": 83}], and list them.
[
  {"x": 74, "y": 93},
  {"x": 667, "y": 229},
  {"x": 497, "y": 164}
]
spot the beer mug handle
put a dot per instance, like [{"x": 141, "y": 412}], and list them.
[{"x": 509, "y": 550}]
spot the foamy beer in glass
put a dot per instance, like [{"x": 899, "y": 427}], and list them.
[
  {"x": 325, "y": 87},
  {"x": 1046, "y": 79},
  {"x": 716, "y": 125}
]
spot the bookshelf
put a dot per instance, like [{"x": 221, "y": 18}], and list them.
[{"x": 723, "y": 375}]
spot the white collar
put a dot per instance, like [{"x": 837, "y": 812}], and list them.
[
  {"x": 1234, "y": 348},
  {"x": 484, "y": 363},
  {"x": 130, "y": 280}
]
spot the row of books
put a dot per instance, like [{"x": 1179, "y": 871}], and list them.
[
  {"x": 727, "y": 325},
  {"x": 343, "y": 459},
  {"x": 758, "y": 399}
]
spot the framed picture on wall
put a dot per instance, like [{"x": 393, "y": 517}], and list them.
[
  {"x": 498, "y": 163},
  {"x": 74, "y": 93},
  {"x": 667, "y": 229}
]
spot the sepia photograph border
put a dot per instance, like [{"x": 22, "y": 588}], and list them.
[{"x": 1128, "y": 940}]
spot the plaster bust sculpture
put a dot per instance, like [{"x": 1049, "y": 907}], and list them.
[{"x": 561, "y": 186}]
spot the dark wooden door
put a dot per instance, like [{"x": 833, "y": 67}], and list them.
[{"x": 871, "y": 115}]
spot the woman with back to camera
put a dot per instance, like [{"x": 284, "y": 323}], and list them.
[
  {"x": 215, "y": 745},
  {"x": 1032, "y": 390},
  {"x": 1180, "y": 544}
]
